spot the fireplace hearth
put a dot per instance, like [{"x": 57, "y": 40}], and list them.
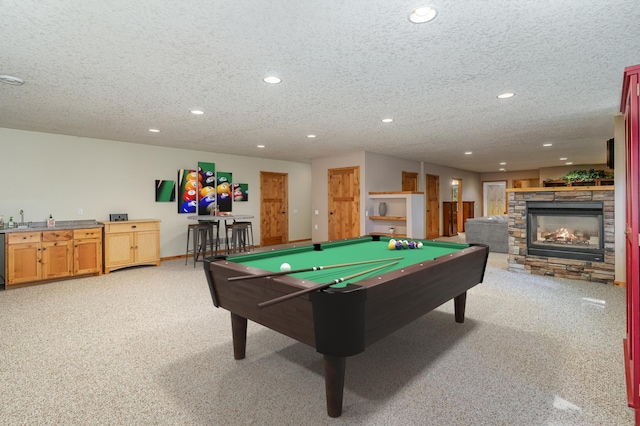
[{"x": 571, "y": 230}]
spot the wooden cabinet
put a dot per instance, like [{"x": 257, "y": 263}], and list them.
[
  {"x": 57, "y": 254},
  {"x": 41, "y": 256},
  {"x": 468, "y": 212},
  {"x": 87, "y": 251},
  {"x": 449, "y": 218},
  {"x": 23, "y": 257},
  {"x": 131, "y": 243},
  {"x": 404, "y": 213}
]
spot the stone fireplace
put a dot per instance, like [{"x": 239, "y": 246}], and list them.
[{"x": 563, "y": 232}]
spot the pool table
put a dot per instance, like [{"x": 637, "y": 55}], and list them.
[{"x": 345, "y": 318}]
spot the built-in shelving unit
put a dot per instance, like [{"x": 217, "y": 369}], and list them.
[{"x": 404, "y": 217}]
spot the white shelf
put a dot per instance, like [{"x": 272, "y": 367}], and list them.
[{"x": 405, "y": 213}]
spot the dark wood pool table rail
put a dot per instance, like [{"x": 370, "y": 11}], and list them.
[{"x": 342, "y": 322}]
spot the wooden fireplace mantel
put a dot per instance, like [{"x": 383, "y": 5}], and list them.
[{"x": 563, "y": 188}]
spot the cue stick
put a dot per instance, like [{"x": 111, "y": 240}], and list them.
[
  {"x": 318, "y": 287},
  {"x": 312, "y": 268}
]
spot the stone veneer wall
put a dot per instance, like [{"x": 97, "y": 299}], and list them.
[{"x": 520, "y": 261}]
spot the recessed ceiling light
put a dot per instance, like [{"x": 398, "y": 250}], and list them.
[
  {"x": 272, "y": 80},
  {"x": 568, "y": 163},
  {"x": 563, "y": 159},
  {"x": 311, "y": 136},
  {"x": 14, "y": 81},
  {"x": 468, "y": 153},
  {"x": 506, "y": 95},
  {"x": 502, "y": 164},
  {"x": 387, "y": 120},
  {"x": 422, "y": 15},
  {"x": 260, "y": 146},
  {"x": 154, "y": 130},
  {"x": 547, "y": 144},
  {"x": 197, "y": 112},
  {"x": 502, "y": 169}
]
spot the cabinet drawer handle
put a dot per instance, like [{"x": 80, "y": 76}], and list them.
[{"x": 133, "y": 226}]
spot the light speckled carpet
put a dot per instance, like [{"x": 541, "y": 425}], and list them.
[{"x": 146, "y": 346}]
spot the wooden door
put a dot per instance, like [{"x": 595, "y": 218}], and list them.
[
  {"x": 119, "y": 249},
  {"x": 23, "y": 263},
  {"x": 495, "y": 196},
  {"x": 630, "y": 106},
  {"x": 57, "y": 259},
  {"x": 147, "y": 246},
  {"x": 274, "y": 220},
  {"x": 468, "y": 212},
  {"x": 410, "y": 181},
  {"x": 87, "y": 256},
  {"x": 344, "y": 203},
  {"x": 433, "y": 206},
  {"x": 450, "y": 218}
]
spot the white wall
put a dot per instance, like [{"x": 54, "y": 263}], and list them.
[
  {"x": 383, "y": 173},
  {"x": 510, "y": 176},
  {"x": 621, "y": 199},
  {"x": 46, "y": 174},
  {"x": 320, "y": 190},
  {"x": 471, "y": 186}
]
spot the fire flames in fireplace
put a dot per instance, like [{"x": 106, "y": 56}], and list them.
[{"x": 565, "y": 236}]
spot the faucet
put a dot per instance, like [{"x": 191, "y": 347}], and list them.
[{"x": 21, "y": 217}]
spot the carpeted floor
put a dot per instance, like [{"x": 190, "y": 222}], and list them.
[{"x": 145, "y": 346}]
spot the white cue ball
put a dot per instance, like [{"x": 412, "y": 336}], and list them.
[
  {"x": 419, "y": 245},
  {"x": 285, "y": 267}
]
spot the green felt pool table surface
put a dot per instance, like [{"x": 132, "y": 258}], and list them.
[{"x": 340, "y": 252}]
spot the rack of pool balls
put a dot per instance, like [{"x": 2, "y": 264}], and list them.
[{"x": 403, "y": 244}]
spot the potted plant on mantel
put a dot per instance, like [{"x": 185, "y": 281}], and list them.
[{"x": 589, "y": 177}]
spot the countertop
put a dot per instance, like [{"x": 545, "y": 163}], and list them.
[
  {"x": 212, "y": 218},
  {"x": 60, "y": 226}
]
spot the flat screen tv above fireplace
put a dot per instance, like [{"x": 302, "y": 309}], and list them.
[{"x": 570, "y": 230}]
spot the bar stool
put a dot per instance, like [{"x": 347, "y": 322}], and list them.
[
  {"x": 249, "y": 233},
  {"x": 214, "y": 236},
  {"x": 199, "y": 233},
  {"x": 237, "y": 241}
]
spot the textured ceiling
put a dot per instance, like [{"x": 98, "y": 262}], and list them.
[{"x": 113, "y": 69}]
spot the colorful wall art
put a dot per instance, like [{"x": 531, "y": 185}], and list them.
[
  {"x": 202, "y": 191},
  {"x": 207, "y": 195},
  {"x": 224, "y": 191},
  {"x": 165, "y": 190},
  {"x": 188, "y": 189},
  {"x": 240, "y": 192}
]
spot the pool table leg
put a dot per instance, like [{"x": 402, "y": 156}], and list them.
[
  {"x": 459, "y": 304},
  {"x": 239, "y": 332},
  {"x": 334, "y": 367}
]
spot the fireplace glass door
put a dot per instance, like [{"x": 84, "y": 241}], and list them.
[{"x": 572, "y": 230}]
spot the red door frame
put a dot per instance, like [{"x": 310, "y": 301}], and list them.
[{"x": 629, "y": 106}]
